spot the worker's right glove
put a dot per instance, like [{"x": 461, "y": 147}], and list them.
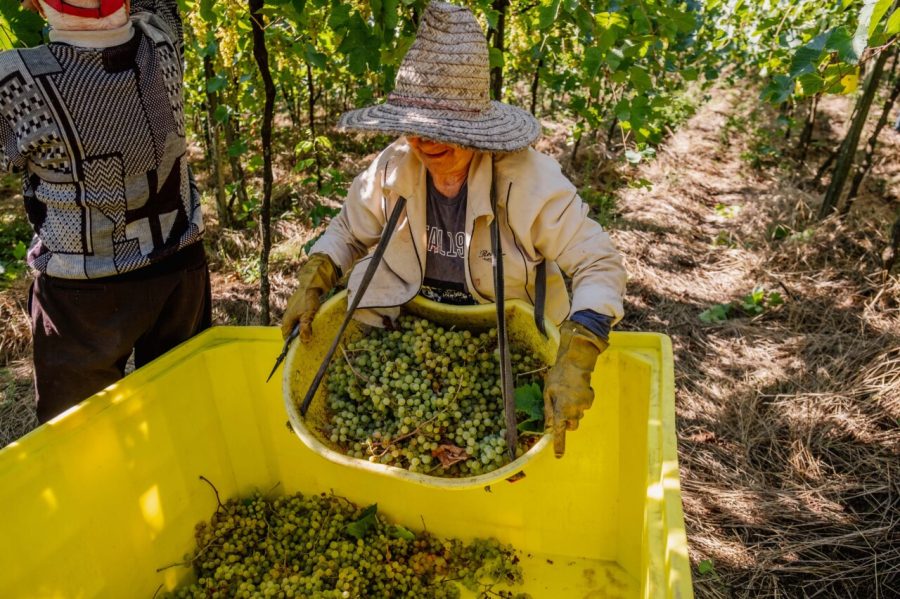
[
  {"x": 316, "y": 278},
  {"x": 567, "y": 391}
]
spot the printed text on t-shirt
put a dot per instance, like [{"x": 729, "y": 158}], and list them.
[{"x": 445, "y": 243}]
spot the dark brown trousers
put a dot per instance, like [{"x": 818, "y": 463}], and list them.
[{"x": 85, "y": 330}]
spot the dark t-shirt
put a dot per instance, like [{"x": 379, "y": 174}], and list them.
[{"x": 445, "y": 269}]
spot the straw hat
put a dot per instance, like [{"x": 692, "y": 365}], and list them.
[{"x": 442, "y": 90}]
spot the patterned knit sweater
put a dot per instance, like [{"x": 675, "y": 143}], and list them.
[{"x": 94, "y": 121}]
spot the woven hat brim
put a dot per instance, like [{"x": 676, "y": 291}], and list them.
[{"x": 501, "y": 128}]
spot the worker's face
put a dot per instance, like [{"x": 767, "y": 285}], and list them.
[{"x": 440, "y": 158}]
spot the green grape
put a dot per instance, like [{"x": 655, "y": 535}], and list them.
[
  {"x": 401, "y": 396},
  {"x": 300, "y": 546}
]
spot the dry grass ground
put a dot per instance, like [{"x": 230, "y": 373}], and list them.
[{"x": 788, "y": 422}]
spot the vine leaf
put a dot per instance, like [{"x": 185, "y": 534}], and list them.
[
  {"x": 401, "y": 532},
  {"x": 869, "y": 17},
  {"x": 450, "y": 454},
  {"x": 530, "y": 402},
  {"x": 841, "y": 41},
  {"x": 360, "y": 527},
  {"x": 893, "y": 23}
]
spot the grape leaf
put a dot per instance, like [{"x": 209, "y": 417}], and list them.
[
  {"x": 547, "y": 15},
  {"x": 403, "y": 533},
  {"x": 879, "y": 10},
  {"x": 584, "y": 20},
  {"x": 849, "y": 82},
  {"x": 591, "y": 61},
  {"x": 869, "y": 17},
  {"x": 778, "y": 90},
  {"x": 339, "y": 16},
  {"x": 495, "y": 56},
  {"x": 391, "y": 17},
  {"x": 806, "y": 58},
  {"x": 317, "y": 59},
  {"x": 221, "y": 114},
  {"x": 238, "y": 148},
  {"x": 640, "y": 79},
  {"x": 491, "y": 15},
  {"x": 530, "y": 402},
  {"x": 450, "y": 454},
  {"x": 893, "y": 23},
  {"x": 361, "y": 526},
  {"x": 717, "y": 313},
  {"x": 20, "y": 250},
  {"x": 811, "y": 83},
  {"x": 623, "y": 110},
  {"x": 841, "y": 41},
  {"x": 215, "y": 84},
  {"x": 207, "y": 12},
  {"x": 357, "y": 62}
]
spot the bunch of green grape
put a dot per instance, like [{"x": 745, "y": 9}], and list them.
[
  {"x": 425, "y": 398},
  {"x": 325, "y": 547}
]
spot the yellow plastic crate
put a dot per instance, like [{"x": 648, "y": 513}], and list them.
[{"x": 97, "y": 500}]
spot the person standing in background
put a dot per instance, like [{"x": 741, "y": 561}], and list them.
[{"x": 94, "y": 123}]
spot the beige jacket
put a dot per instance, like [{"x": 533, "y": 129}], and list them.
[{"x": 541, "y": 215}]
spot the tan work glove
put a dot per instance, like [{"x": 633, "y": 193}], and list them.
[
  {"x": 567, "y": 390},
  {"x": 317, "y": 277}
]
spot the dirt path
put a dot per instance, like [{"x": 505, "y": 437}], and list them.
[{"x": 788, "y": 422}]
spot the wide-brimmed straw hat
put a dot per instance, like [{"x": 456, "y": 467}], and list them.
[{"x": 442, "y": 90}]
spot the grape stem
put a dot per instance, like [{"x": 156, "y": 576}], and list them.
[
  {"x": 325, "y": 522},
  {"x": 215, "y": 490},
  {"x": 541, "y": 369},
  {"x": 191, "y": 561},
  {"x": 352, "y": 369},
  {"x": 417, "y": 430}
]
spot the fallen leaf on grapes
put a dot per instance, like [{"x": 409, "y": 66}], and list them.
[
  {"x": 361, "y": 526},
  {"x": 450, "y": 454},
  {"x": 403, "y": 533},
  {"x": 530, "y": 401}
]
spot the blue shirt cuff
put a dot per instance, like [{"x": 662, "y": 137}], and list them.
[{"x": 598, "y": 324}]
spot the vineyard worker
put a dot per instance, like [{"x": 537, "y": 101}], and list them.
[
  {"x": 94, "y": 122},
  {"x": 456, "y": 143}
]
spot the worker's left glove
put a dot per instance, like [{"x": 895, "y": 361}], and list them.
[
  {"x": 316, "y": 278},
  {"x": 567, "y": 390}
]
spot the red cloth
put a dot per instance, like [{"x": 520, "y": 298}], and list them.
[{"x": 106, "y": 8}]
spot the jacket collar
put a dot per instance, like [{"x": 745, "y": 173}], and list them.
[{"x": 480, "y": 180}]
